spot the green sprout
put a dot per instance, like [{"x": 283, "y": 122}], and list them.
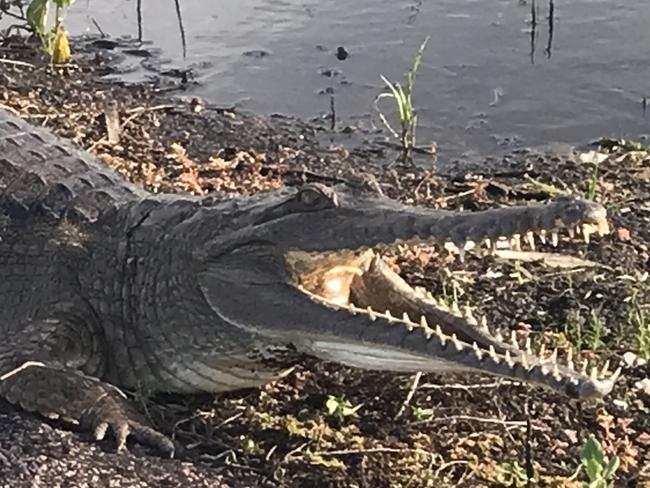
[
  {"x": 403, "y": 97},
  {"x": 599, "y": 468},
  {"x": 55, "y": 40}
]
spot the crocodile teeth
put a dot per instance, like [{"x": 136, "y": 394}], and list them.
[
  {"x": 529, "y": 345},
  {"x": 443, "y": 338},
  {"x": 555, "y": 238},
  {"x": 499, "y": 336},
  {"x": 493, "y": 354},
  {"x": 594, "y": 374},
  {"x": 524, "y": 360},
  {"x": 388, "y": 315},
  {"x": 585, "y": 365},
  {"x": 556, "y": 371},
  {"x": 509, "y": 360},
  {"x": 469, "y": 317},
  {"x": 530, "y": 240},
  {"x": 407, "y": 320},
  {"x": 569, "y": 359},
  {"x": 553, "y": 356},
  {"x": 484, "y": 325},
  {"x": 515, "y": 242},
  {"x": 605, "y": 369},
  {"x": 371, "y": 314},
  {"x": 513, "y": 339},
  {"x": 572, "y": 232},
  {"x": 423, "y": 322},
  {"x": 603, "y": 228},
  {"x": 586, "y": 232},
  {"x": 542, "y": 236},
  {"x": 457, "y": 343},
  {"x": 477, "y": 351}
]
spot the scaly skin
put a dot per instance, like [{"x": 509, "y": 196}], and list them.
[{"x": 105, "y": 286}]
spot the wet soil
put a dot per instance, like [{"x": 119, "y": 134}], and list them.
[{"x": 462, "y": 430}]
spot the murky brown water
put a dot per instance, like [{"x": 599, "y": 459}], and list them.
[{"x": 485, "y": 83}]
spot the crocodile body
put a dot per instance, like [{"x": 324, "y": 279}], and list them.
[{"x": 105, "y": 286}]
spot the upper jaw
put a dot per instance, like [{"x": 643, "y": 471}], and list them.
[{"x": 394, "y": 327}]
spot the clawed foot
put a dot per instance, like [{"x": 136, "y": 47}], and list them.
[
  {"x": 111, "y": 411},
  {"x": 96, "y": 406}
]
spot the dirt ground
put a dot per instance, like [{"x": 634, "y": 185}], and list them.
[{"x": 463, "y": 430}]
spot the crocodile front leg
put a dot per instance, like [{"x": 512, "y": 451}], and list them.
[{"x": 49, "y": 365}]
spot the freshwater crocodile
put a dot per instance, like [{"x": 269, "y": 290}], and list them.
[{"x": 105, "y": 286}]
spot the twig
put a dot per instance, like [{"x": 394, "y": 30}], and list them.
[
  {"x": 409, "y": 396},
  {"x": 16, "y": 63},
  {"x": 373, "y": 450}
]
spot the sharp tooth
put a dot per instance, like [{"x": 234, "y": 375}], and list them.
[
  {"x": 553, "y": 356},
  {"x": 513, "y": 339},
  {"x": 556, "y": 371},
  {"x": 545, "y": 371},
  {"x": 605, "y": 369},
  {"x": 428, "y": 333},
  {"x": 477, "y": 351},
  {"x": 530, "y": 240},
  {"x": 493, "y": 354},
  {"x": 388, "y": 315},
  {"x": 572, "y": 232},
  {"x": 542, "y": 349},
  {"x": 353, "y": 308},
  {"x": 405, "y": 317},
  {"x": 457, "y": 344},
  {"x": 484, "y": 326},
  {"x": 499, "y": 336},
  {"x": 430, "y": 296},
  {"x": 443, "y": 338},
  {"x": 524, "y": 360},
  {"x": 515, "y": 242},
  {"x": 455, "y": 308},
  {"x": 488, "y": 243},
  {"x": 542, "y": 236},
  {"x": 529, "y": 346},
  {"x": 371, "y": 313},
  {"x": 594, "y": 374},
  {"x": 569, "y": 358},
  {"x": 555, "y": 238},
  {"x": 586, "y": 232},
  {"x": 509, "y": 360},
  {"x": 469, "y": 316},
  {"x": 584, "y": 366},
  {"x": 461, "y": 255},
  {"x": 603, "y": 228},
  {"x": 423, "y": 322}
]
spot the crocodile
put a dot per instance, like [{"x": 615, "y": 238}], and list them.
[{"x": 106, "y": 287}]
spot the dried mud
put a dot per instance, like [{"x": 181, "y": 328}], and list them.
[{"x": 456, "y": 430}]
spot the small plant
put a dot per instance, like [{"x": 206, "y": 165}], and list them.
[
  {"x": 403, "y": 97},
  {"x": 599, "y": 469},
  {"x": 638, "y": 318},
  {"x": 422, "y": 413},
  {"x": 592, "y": 183},
  {"x": 340, "y": 407},
  {"x": 514, "y": 474},
  {"x": 585, "y": 332},
  {"x": 55, "y": 40}
]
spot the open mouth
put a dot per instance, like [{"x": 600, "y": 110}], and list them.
[{"x": 360, "y": 283}]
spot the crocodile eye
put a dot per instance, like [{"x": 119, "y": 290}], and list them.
[{"x": 317, "y": 196}]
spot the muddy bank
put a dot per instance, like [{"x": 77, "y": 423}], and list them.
[{"x": 455, "y": 431}]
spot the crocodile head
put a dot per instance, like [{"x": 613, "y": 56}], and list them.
[{"x": 299, "y": 268}]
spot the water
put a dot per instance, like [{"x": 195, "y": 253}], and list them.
[{"x": 485, "y": 84}]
